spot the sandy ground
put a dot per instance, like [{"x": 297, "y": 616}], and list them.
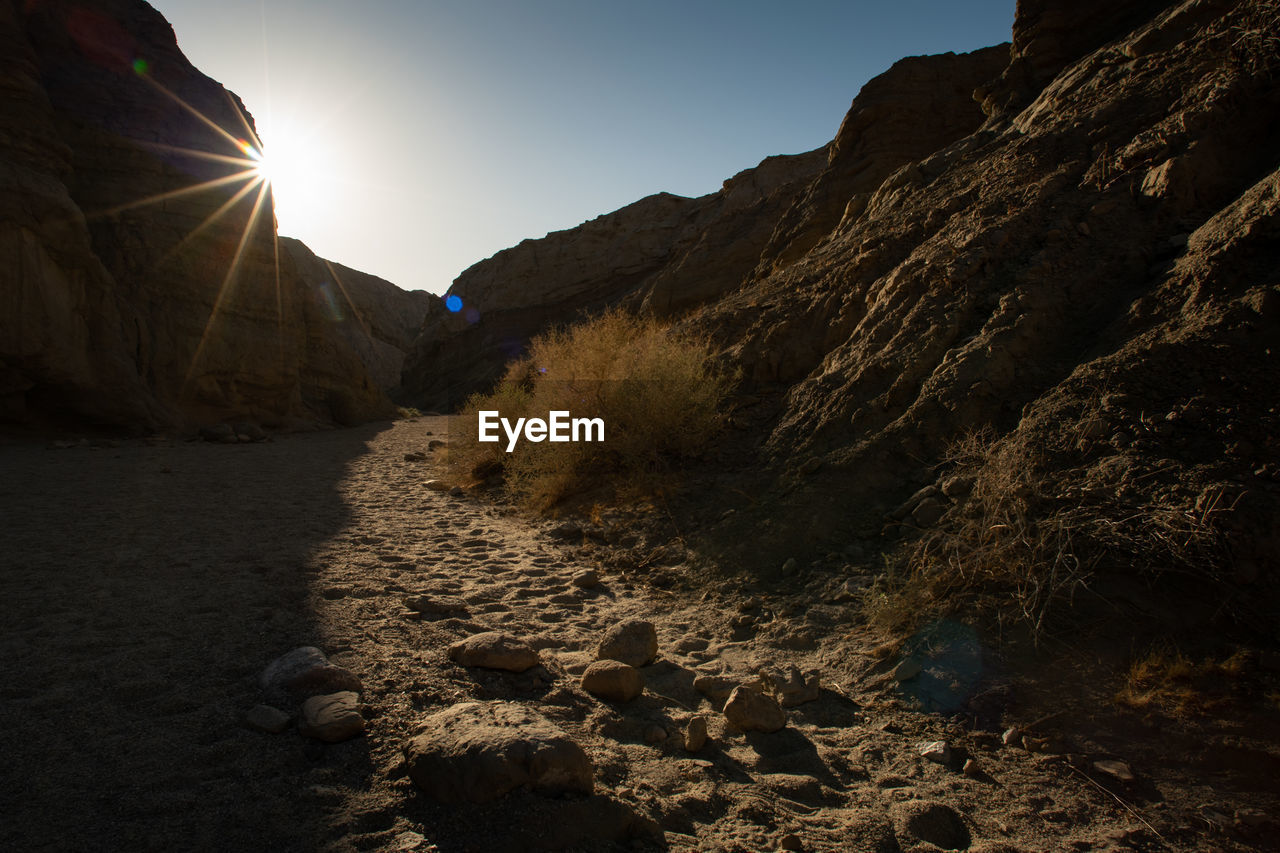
[{"x": 146, "y": 585}]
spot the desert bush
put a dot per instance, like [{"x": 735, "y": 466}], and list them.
[
  {"x": 1019, "y": 551},
  {"x": 655, "y": 388}
]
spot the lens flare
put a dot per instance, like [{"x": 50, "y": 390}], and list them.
[{"x": 453, "y": 302}]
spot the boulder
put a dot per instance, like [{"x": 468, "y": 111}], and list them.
[
  {"x": 632, "y": 641},
  {"x": 749, "y": 710},
  {"x": 494, "y": 650},
  {"x": 331, "y": 718},
  {"x": 475, "y": 752},
  {"x": 613, "y": 681}
]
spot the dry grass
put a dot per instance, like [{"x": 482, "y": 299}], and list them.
[
  {"x": 655, "y": 389},
  {"x": 1017, "y": 552},
  {"x": 1166, "y": 681}
]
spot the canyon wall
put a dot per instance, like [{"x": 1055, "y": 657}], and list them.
[{"x": 142, "y": 283}]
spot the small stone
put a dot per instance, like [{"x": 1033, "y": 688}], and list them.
[
  {"x": 1012, "y": 736},
  {"x": 654, "y": 733},
  {"x": 791, "y": 566},
  {"x": 435, "y": 444},
  {"x": 415, "y": 456},
  {"x": 305, "y": 672},
  {"x": 613, "y": 681},
  {"x": 715, "y": 687},
  {"x": 494, "y": 650},
  {"x": 695, "y": 734},
  {"x": 791, "y": 687},
  {"x": 749, "y": 710},
  {"x": 437, "y": 485},
  {"x": 1115, "y": 769},
  {"x": 971, "y": 769},
  {"x": 632, "y": 641},
  {"x": 477, "y": 751},
  {"x": 586, "y": 579},
  {"x": 266, "y": 718},
  {"x": 957, "y": 486},
  {"x": 332, "y": 718},
  {"x": 938, "y": 751},
  {"x": 908, "y": 669}
]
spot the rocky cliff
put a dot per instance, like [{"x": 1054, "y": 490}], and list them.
[
  {"x": 1048, "y": 270},
  {"x": 142, "y": 283}
]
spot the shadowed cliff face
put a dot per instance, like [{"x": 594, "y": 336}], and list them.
[
  {"x": 664, "y": 255},
  {"x": 1069, "y": 244},
  {"x": 142, "y": 282}
]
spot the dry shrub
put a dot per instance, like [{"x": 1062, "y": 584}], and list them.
[
  {"x": 655, "y": 389},
  {"x": 1165, "y": 680},
  {"x": 1017, "y": 552}
]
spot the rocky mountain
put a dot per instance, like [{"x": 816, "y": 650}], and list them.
[
  {"x": 142, "y": 282},
  {"x": 1046, "y": 270}
]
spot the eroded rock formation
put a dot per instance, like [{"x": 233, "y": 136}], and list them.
[{"x": 128, "y": 299}]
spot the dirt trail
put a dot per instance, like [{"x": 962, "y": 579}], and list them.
[{"x": 145, "y": 586}]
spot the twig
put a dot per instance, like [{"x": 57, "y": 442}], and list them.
[{"x": 1130, "y": 809}]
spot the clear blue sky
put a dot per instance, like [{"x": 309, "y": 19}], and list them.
[{"x": 412, "y": 138}]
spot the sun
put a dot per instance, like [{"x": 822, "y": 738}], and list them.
[{"x": 256, "y": 160}]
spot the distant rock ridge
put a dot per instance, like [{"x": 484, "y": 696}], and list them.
[
  {"x": 665, "y": 254},
  {"x": 118, "y": 306}
]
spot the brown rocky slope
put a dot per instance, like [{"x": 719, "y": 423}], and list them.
[
  {"x": 130, "y": 299},
  {"x": 1082, "y": 271}
]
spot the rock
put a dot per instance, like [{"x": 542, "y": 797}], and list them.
[
  {"x": 266, "y": 718},
  {"x": 1012, "y": 736},
  {"x": 791, "y": 687},
  {"x": 586, "y": 579},
  {"x": 217, "y": 433},
  {"x": 930, "y": 822},
  {"x": 249, "y": 430},
  {"x": 938, "y": 751},
  {"x": 332, "y": 718},
  {"x": 957, "y": 486},
  {"x": 436, "y": 444},
  {"x": 715, "y": 687},
  {"x": 1117, "y": 770},
  {"x": 654, "y": 734},
  {"x": 476, "y": 752},
  {"x": 632, "y": 641},
  {"x": 790, "y": 567},
  {"x": 305, "y": 672},
  {"x": 695, "y": 734},
  {"x": 749, "y": 710},
  {"x": 971, "y": 769},
  {"x": 928, "y": 512},
  {"x": 494, "y": 650},
  {"x": 415, "y": 456},
  {"x": 457, "y": 492},
  {"x": 613, "y": 681},
  {"x": 908, "y": 669},
  {"x": 437, "y": 485}
]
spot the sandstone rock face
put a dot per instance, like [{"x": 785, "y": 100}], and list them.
[
  {"x": 660, "y": 255},
  {"x": 378, "y": 320},
  {"x": 476, "y": 752},
  {"x": 118, "y": 307}
]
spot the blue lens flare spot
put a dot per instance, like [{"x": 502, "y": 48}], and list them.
[{"x": 453, "y": 302}]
